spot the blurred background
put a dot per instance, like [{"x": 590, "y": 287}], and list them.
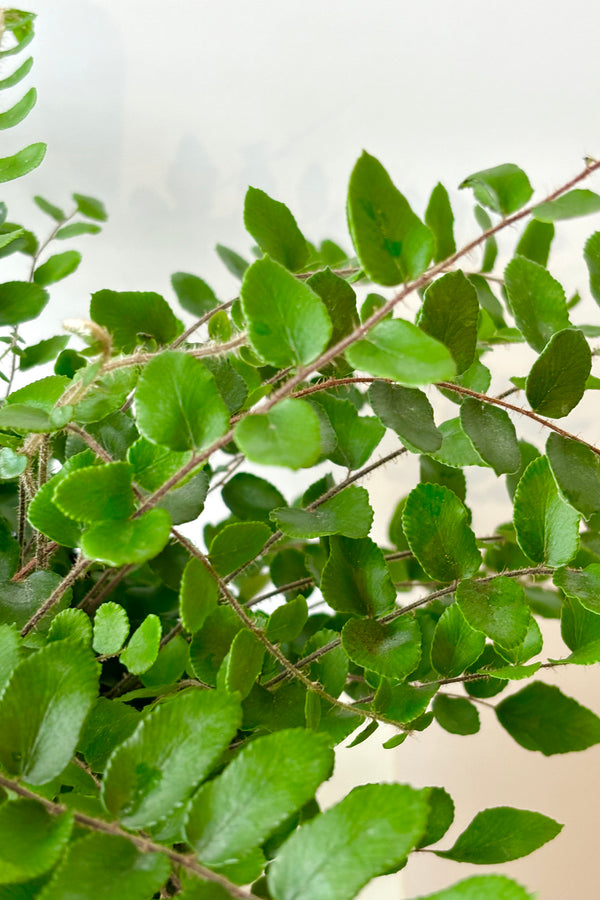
[{"x": 167, "y": 112}]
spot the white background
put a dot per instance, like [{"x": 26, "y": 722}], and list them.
[{"x": 168, "y": 111}]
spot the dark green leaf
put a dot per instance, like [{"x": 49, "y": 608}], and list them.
[
  {"x": 57, "y": 267},
  {"x": 547, "y": 528},
  {"x": 21, "y": 163},
  {"x": 540, "y": 717},
  {"x": 109, "y": 723},
  {"x": 19, "y": 601},
  {"x": 503, "y": 189},
  {"x": 232, "y": 261},
  {"x": 339, "y": 300},
  {"x": 186, "y": 502},
  {"x": 97, "y": 493},
  {"x": 408, "y": 412},
  {"x": 528, "y": 453},
  {"x": 584, "y": 585},
  {"x": 131, "y": 315},
  {"x": 194, "y": 295},
  {"x": 211, "y": 643},
  {"x": 42, "y": 352},
  {"x": 399, "y": 350},
  {"x": 43, "y": 708},
  {"x": 105, "y": 866},
  {"x": 576, "y": 468},
  {"x": 347, "y": 513},
  {"x": 530, "y": 646},
  {"x": 335, "y": 854},
  {"x": 237, "y": 544},
  {"x": 435, "y": 525},
  {"x": 288, "y": 323},
  {"x": 120, "y": 542},
  {"x": 288, "y": 435},
  {"x": 488, "y": 300},
  {"x": 535, "y": 242},
  {"x": 356, "y": 578},
  {"x": 456, "y": 645},
  {"x": 274, "y": 228},
  {"x": 457, "y": 449},
  {"x": 243, "y": 663},
  {"x": 170, "y": 664},
  {"x": 10, "y": 653},
  {"x": 501, "y": 834},
  {"x": 392, "y": 649},
  {"x": 250, "y": 497},
  {"x": 111, "y": 627},
  {"x": 557, "y": 380},
  {"x": 21, "y": 301},
  {"x": 233, "y": 813},
  {"x": 449, "y": 314},
  {"x": 570, "y": 206},
  {"x": 435, "y": 472},
  {"x": 31, "y": 840},
  {"x": 171, "y": 751},
  {"x": 142, "y": 649},
  {"x": 498, "y": 608},
  {"x": 456, "y": 714},
  {"x": 177, "y": 403},
  {"x": 492, "y": 434},
  {"x": 441, "y": 816},
  {"x": 537, "y": 301},
  {"x": 391, "y": 242},
  {"x": 440, "y": 219}
]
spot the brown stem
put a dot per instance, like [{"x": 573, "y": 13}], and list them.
[{"x": 80, "y": 567}]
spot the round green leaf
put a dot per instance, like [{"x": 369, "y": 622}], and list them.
[
  {"x": 97, "y": 493},
  {"x": 557, "y": 380},
  {"x": 492, "y": 434},
  {"x": 178, "y": 404},
  {"x": 123, "y": 541},
  {"x": 577, "y": 472},
  {"x": 482, "y": 887},
  {"x": 547, "y": 528},
  {"x": 503, "y": 189},
  {"x": 392, "y": 649},
  {"x": 111, "y": 627},
  {"x": 537, "y": 301},
  {"x": 498, "y": 608},
  {"x": 131, "y": 315},
  {"x": 288, "y": 435},
  {"x": 31, "y": 840},
  {"x": 583, "y": 585},
  {"x": 456, "y": 715},
  {"x": 436, "y": 528},
  {"x": 408, "y": 412}
]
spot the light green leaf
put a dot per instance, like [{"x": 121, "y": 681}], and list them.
[
  {"x": 570, "y": 206},
  {"x": 392, "y": 649},
  {"x": 498, "y": 608},
  {"x": 243, "y": 663},
  {"x": 557, "y": 380},
  {"x": 503, "y": 189},
  {"x": 356, "y": 578},
  {"x": 105, "y": 866},
  {"x": 43, "y": 708},
  {"x": 90, "y": 207},
  {"x": 456, "y": 645},
  {"x": 194, "y": 295},
  {"x": 399, "y": 350},
  {"x": 21, "y": 301},
  {"x": 492, "y": 433},
  {"x": 347, "y": 513},
  {"x": 535, "y": 241},
  {"x": 10, "y": 653},
  {"x": 97, "y": 493},
  {"x": 540, "y": 717},
  {"x": 12, "y": 464},
  {"x": 335, "y": 854},
  {"x": 287, "y": 621},
  {"x": 119, "y": 542},
  {"x": 441, "y": 816},
  {"x": 500, "y": 834},
  {"x": 456, "y": 715},
  {"x": 31, "y": 840},
  {"x": 234, "y": 812},
  {"x": 198, "y": 595},
  {"x": 537, "y": 301},
  {"x": 287, "y": 322},
  {"x": 576, "y": 469},
  {"x": 547, "y": 528},
  {"x": 57, "y": 267},
  {"x": 274, "y": 229},
  {"x": 408, "y": 412},
  {"x": 45, "y": 515},
  {"x": 177, "y": 403},
  {"x": 71, "y": 625},
  {"x": 436, "y": 528},
  {"x": 143, "y": 646},
  {"x": 391, "y": 242},
  {"x": 19, "y": 164},
  {"x": 153, "y": 464},
  {"x": 440, "y": 219},
  {"x": 18, "y": 75},
  {"x": 172, "y": 750},
  {"x": 19, "y": 111},
  {"x": 357, "y": 436},
  {"x": 50, "y": 209},
  {"x": 288, "y": 435},
  {"x": 457, "y": 449},
  {"x": 449, "y": 314},
  {"x": 76, "y": 229},
  {"x": 584, "y": 585},
  {"x": 131, "y": 315},
  {"x": 111, "y": 627},
  {"x": 237, "y": 544},
  {"x": 482, "y": 887}
]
